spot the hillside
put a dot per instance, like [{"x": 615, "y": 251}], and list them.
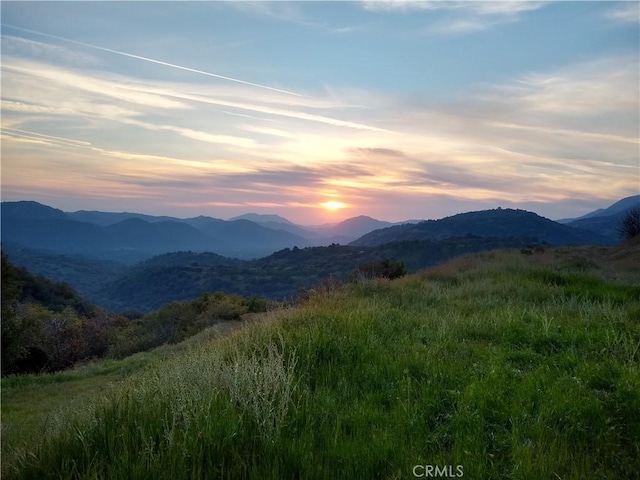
[
  {"x": 19, "y": 285},
  {"x": 492, "y": 363},
  {"x": 501, "y": 223},
  {"x": 47, "y": 326},
  {"x": 280, "y": 276}
]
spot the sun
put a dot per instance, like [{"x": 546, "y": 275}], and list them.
[{"x": 333, "y": 205}]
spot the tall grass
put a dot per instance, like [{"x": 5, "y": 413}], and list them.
[{"x": 493, "y": 363}]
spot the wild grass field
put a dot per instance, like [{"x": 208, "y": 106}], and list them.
[{"x": 497, "y": 365}]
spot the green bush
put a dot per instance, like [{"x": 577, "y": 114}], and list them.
[
  {"x": 630, "y": 225},
  {"x": 387, "y": 268}
]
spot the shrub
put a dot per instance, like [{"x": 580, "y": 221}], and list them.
[
  {"x": 630, "y": 225},
  {"x": 386, "y": 268}
]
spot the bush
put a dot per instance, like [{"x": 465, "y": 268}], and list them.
[
  {"x": 383, "y": 269},
  {"x": 630, "y": 225}
]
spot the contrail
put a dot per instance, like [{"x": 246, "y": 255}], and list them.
[
  {"x": 146, "y": 59},
  {"x": 41, "y": 136}
]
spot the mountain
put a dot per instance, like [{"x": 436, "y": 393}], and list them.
[
  {"x": 55, "y": 233},
  {"x": 607, "y": 221},
  {"x": 109, "y": 218},
  {"x": 246, "y": 239},
  {"x": 351, "y": 228},
  {"x": 621, "y": 206},
  {"x": 131, "y": 237},
  {"x": 131, "y": 240},
  {"x": 262, "y": 218},
  {"x": 138, "y": 234},
  {"x": 32, "y": 210},
  {"x": 276, "y": 222},
  {"x": 500, "y": 223}
]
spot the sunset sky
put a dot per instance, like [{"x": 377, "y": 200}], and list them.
[{"x": 397, "y": 110}]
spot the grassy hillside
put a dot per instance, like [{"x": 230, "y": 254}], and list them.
[{"x": 499, "y": 365}]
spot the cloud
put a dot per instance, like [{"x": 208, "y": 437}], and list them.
[
  {"x": 543, "y": 136},
  {"x": 18, "y": 46},
  {"x": 386, "y": 153},
  {"x": 151, "y": 60},
  {"x": 270, "y": 110},
  {"x": 41, "y": 137},
  {"x": 199, "y": 135},
  {"x": 458, "y": 17},
  {"x": 114, "y": 87},
  {"x": 459, "y": 27},
  {"x": 397, "y": 5},
  {"x": 508, "y": 7},
  {"x": 626, "y": 12},
  {"x": 290, "y": 12},
  {"x": 589, "y": 88},
  {"x": 121, "y": 98}
]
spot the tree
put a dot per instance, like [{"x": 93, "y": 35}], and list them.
[
  {"x": 12, "y": 348},
  {"x": 630, "y": 225},
  {"x": 386, "y": 268}
]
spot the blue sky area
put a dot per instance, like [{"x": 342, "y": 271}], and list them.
[{"x": 320, "y": 111}]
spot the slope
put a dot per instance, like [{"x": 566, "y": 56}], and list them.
[{"x": 472, "y": 365}]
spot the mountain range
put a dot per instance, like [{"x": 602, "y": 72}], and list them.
[
  {"x": 605, "y": 221},
  {"x": 132, "y": 237},
  {"x": 124, "y": 261}
]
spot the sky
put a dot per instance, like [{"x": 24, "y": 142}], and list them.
[{"x": 320, "y": 111}]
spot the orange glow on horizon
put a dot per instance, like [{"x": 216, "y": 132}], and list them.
[{"x": 333, "y": 205}]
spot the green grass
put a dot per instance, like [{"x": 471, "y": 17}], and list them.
[{"x": 509, "y": 367}]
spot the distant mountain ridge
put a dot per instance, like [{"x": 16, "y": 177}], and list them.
[
  {"x": 500, "y": 223},
  {"x": 606, "y": 221},
  {"x": 262, "y": 218},
  {"x": 621, "y": 206},
  {"x": 131, "y": 237},
  {"x": 357, "y": 226}
]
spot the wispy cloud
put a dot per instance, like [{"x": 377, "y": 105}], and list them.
[
  {"x": 43, "y": 137},
  {"x": 115, "y": 87},
  {"x": 626, "y": 12},
  {"x": 12, "y": 45},
  {"x": 120, "y": 98},
  {"x": 151, "y": 60},
  {"x": 290, "y": 12},
  {"x": 506, "y": 7},
  {"x": 458, "y": 17}
]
